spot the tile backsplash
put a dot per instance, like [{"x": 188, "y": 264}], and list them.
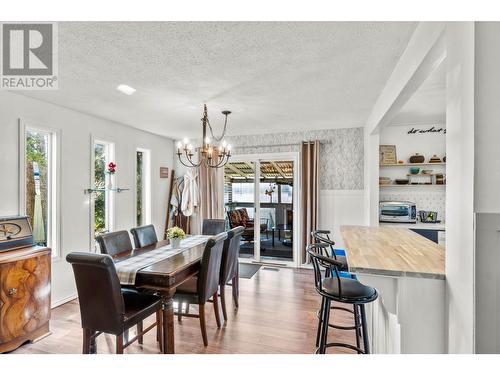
[{"x": 427, "y": 201}]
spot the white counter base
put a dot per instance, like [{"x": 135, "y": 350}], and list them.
[{"x": 409, "y": 315}]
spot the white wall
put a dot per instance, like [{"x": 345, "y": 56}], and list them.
[
  {"x": 76, "y": 130},
  {"x": 486, "y": 186},
  {"x": 340, "y": 207},
  {"x": 460, "y": 186}
]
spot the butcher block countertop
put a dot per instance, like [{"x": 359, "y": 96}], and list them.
[{"x": 392, "y": 251}]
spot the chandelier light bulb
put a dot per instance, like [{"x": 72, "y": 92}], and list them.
[
  {"x": 224, "y": 144},
  {"x": 179, "y": 145},
  {"x": 190, "y": 147},
  {"x": 186, "y": 141},
  {"x": 207, "y": 140}
]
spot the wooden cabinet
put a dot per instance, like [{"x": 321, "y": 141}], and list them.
[{"x": 24, "y": 295}]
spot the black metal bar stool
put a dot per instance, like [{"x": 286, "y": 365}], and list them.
[{"x": 339, "y": 289}]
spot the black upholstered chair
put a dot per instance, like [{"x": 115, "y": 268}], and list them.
[
  {"x": 340, "y": 289},
  {"x": 114, "y": 243},
  {"x": 144, "y": 236},
  {"x": 199, "y": 289},
  {"x": 229, "y": 266},
  {"x": 213, "y": 227},
  {"x": 104, "y": 306}
]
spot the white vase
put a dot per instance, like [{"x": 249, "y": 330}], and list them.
[{"x": 175, "y": 242}]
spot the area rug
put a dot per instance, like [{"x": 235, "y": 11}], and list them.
[{"x": 248, "y": 270}]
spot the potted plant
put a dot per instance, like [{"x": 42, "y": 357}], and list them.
[{"x": 175, "y": 235}]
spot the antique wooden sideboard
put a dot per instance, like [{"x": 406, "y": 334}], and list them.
[{"x": 24, "y": 295}]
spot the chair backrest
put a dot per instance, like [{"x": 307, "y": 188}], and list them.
[
  {"x": 208, "y": 277},
  {"x": 238, "y": 217},
  {"x": 231, "y": 250},
  {"x": 144, "y": 236},
  {"x": 99, "y": 292},
  {"x": 114, "y": 243},
  {"x": 213, "y": 226},
  {"x": 323, "y": 236},
  {"x": 318, "y": 253}
]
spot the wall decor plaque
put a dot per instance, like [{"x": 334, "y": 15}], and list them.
[
  {"x": 387, "y": 154},
  {"x": 163, "y": 172}
]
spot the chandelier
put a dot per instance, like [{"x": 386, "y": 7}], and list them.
[{"x": 211, "y": 155}]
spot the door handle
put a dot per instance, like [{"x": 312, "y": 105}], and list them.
[{"x": 12, "y": 291}]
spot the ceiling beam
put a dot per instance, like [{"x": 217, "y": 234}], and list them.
[
  {"x": 425, "y": 52},
  {"x": 278, "y": 168},
  {"x": 236, "y": 170}
]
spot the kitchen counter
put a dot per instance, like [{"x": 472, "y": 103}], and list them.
[
  {"x": 393, "y": 251},
  {"x": 408, "y": 271},
  {"x": 417, "y": 225}
]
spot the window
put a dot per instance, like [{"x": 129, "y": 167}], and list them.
[
  {"x": 103, "y": 183},
  {"x": 39, "y": 181},
  {"x": 286, "y": 194},
  {"x": 243, "y": 192},
  {"x": 143, "y": 188}
]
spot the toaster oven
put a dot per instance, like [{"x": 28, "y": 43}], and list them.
[{"x": 397, "y": 212}]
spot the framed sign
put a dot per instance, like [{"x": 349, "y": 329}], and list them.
[
  {"x": 388, "y": 154},
  {"x": 163, "y": 172}
]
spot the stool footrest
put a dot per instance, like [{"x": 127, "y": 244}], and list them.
[{"x": 342, "y": 345}]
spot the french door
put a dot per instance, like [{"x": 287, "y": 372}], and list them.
[{"x": 261, "y": 194}]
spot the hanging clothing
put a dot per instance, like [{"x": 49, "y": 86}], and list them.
[{"x": 190, "y": 193}]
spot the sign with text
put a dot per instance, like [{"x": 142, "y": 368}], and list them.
[
  {"x": 431, "y": 130},
  {"x": 29, "y": 56}
]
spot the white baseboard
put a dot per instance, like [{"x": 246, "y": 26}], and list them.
[{"x": 64, "y": 300}]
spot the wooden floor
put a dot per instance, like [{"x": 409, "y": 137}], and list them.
[{"x": 277, "y": 314}]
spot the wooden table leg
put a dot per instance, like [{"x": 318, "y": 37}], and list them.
[{"x": 168, "y": 323}]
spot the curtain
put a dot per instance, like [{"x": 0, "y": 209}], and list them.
[
  {"x": 211, "y": 187},
  {"x": 309, "y": 193}
]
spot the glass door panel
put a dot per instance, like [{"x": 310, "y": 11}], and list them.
[
  {"x": 239, "y": 204},
  {"x": 276, "y": 210}
]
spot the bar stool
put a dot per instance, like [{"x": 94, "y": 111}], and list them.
[
  {"x": 322, "y": 248},
  {"x": 344, "y": 290},
  {"x": 323, "y": 236}
]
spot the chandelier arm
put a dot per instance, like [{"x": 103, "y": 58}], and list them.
[
  {"x": 221, "y": 162},
  {"x": 184, "y": 164},
  {"x": 195, "y": 165}
]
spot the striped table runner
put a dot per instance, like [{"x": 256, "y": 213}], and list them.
[{"x": 127, "y": 269}]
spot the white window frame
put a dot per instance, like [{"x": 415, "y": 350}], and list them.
[
  {"x": 54, "y": 181},
  {"x": 110, "y": 196},
  {"x": 146, "y": 188}
]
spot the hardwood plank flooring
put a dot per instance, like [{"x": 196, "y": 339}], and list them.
[{"x": 277, "y": 314}]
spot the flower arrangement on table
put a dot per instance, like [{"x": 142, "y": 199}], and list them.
[{"x": 175, "y": 235}]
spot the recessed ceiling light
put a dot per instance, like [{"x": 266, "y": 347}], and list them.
[{"x": 126, "y": 89}]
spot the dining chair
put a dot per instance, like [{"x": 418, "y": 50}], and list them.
[
  {"x": 213, "y": 227},
  {"x": 229, "y": 267},
  {"x": 199, "y": 289},
  {"x": 144, "y": 236},
  {"x": 105, "y": 307},
  {"x": 114, "y": 243}
]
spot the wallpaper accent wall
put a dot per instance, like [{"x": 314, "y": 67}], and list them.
[{"x": 341, "y": 153}]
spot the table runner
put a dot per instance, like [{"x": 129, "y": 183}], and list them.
[{"x": 127, "y": 269}]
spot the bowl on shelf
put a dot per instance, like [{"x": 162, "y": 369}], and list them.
[
  {"x": 384, "y": 181},
  {"x": 402, "y": 181},
  {"x": 414, "y": 170},
  {"x": 427, "y": 171},
  {"x": 435, "y": 159}
]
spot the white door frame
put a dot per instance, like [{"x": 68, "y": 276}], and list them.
[{"x": 275, "y": 156}]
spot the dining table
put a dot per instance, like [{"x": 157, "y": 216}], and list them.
[{"x": 164, "y": 276}]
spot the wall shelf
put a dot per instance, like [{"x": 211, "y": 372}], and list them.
[
  {"x": 118, "y": 190},
  {"x": 410, "y": 165}
]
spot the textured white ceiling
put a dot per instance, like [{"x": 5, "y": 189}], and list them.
[
  {"x": 428, "y": 103},
  {"x": 274, "y": 76}
]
